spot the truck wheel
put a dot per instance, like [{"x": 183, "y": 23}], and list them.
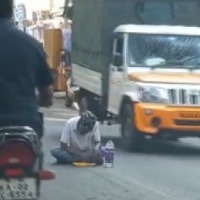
[
  {"x": 83, "y": 105},
  {"x": 131, "y": 138},
  {"x": 68, "y": 100}
]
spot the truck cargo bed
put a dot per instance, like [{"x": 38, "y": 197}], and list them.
[{"x": 95, "y": 20}]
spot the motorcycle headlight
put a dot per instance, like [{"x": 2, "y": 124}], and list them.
[{"x": 153, "y": 95}]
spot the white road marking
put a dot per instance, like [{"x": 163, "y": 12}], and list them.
[
  {"x": 65, "y": 114},
  {"x": 55, "y": 119},
  {"x": 61, "y": 110}
]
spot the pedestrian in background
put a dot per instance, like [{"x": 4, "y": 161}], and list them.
[{"x": 67, "y": 43}]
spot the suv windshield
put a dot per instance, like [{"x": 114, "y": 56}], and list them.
[{"x": 164, "y": 51}]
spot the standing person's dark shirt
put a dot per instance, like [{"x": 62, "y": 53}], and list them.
[{"x": 23, "y": 68}]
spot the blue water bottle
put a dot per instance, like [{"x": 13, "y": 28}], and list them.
[{"x": 109, "y": 152}]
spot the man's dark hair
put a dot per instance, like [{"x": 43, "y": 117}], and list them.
[{"x": 6, "y": 9}]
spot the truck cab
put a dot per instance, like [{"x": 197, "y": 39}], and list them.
[{"x": 154, "y": 82}]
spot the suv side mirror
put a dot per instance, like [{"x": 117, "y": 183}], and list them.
[{"x": 118, "y": 60}]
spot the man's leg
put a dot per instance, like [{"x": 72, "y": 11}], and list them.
[{"x": 63, "y": 157}]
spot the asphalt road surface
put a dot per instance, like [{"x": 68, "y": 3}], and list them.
[{"x": 163, "y": 171}]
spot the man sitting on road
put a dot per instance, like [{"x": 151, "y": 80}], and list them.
[{"x": 80, "y": 141}]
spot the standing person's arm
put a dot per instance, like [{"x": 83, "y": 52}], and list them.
[{"x": 44, "y": 79}]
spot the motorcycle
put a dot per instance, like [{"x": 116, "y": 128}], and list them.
[{"x": 20, "y": 164}]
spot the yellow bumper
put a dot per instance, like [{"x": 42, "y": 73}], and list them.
[{"x": 152, "y": 118}]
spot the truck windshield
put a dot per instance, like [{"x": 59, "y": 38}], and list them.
[{"x": 166, "y": 51}]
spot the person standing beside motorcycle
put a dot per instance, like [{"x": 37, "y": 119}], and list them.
[{"x": 23, "y": 69}]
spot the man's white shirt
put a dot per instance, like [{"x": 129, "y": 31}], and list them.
[{"x": 71, "y": 136}]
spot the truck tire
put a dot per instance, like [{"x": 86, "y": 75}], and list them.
[
  {"x": 131, "y": 138},
  {"x": 68, "y": 100},
  {"x": 83, "y": 105}
]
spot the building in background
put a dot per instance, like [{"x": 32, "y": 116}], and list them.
[
  {"x": 34, "y": 6},
  {"x": 57, "y": 7}
]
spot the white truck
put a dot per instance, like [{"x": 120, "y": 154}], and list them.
[{"x": 146, "y": 77}]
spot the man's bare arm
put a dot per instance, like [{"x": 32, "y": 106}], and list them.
[{"x": 70, "y": 149}]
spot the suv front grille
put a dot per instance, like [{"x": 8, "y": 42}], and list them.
[{"x": 189, "y": 97}]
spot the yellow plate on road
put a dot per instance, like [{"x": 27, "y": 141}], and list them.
[{"x": 83, "y": 164}]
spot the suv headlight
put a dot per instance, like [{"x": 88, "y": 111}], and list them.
[{"x": 153, "y": 95}]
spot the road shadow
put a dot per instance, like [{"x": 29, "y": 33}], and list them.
[
  {"x": 178, "y": 148},
  {"x": 149, "y": 146}
]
